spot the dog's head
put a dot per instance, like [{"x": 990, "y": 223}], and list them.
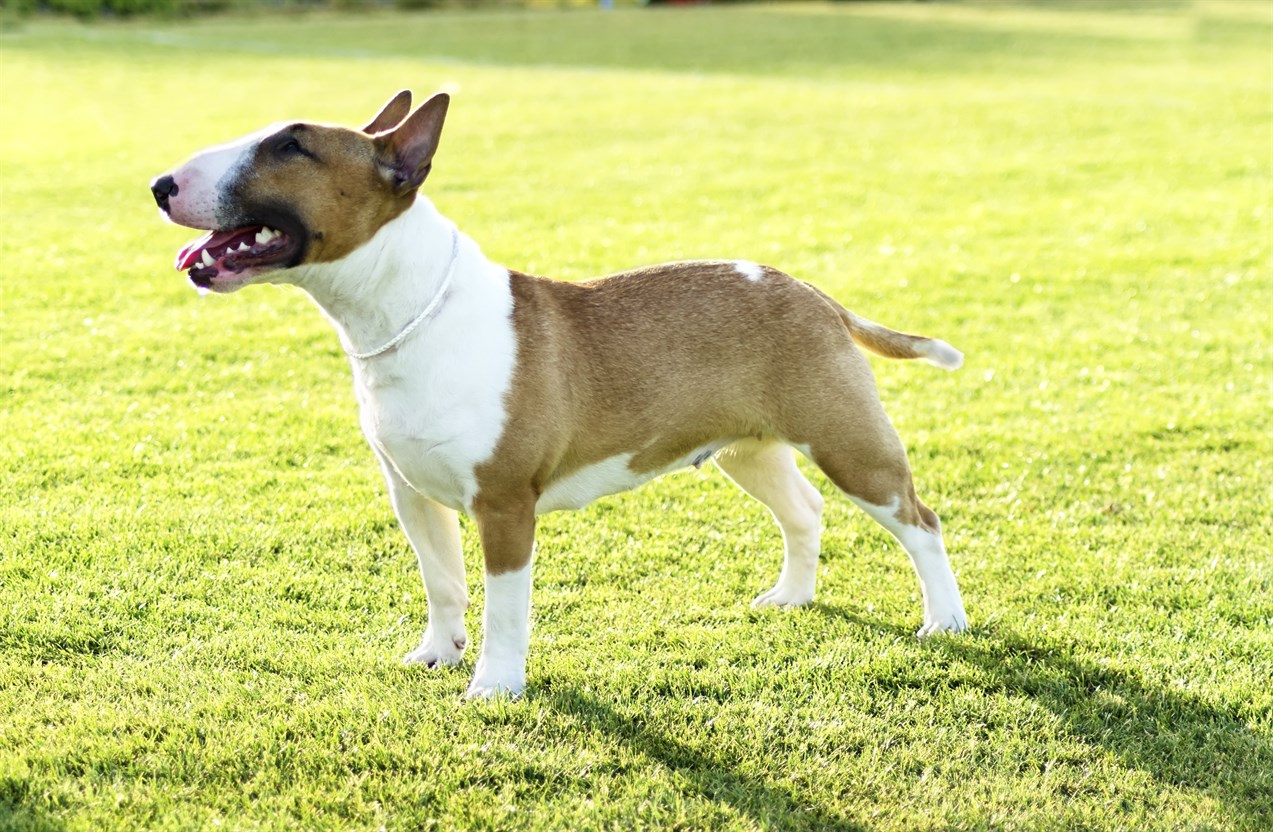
[{"x": 297, "y": 193}]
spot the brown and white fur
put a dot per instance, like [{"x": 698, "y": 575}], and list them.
[{"x": 521, "y": 395}]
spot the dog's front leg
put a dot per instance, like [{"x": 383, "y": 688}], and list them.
[
  {"x": 507, "y": 530},
  {"x": 434, "y": 532}
]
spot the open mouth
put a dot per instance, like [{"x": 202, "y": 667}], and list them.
[{"x": 221, "y": 254}]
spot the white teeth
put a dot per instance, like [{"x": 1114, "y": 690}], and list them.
[
  {"x": 265, "y": 235},
  {"x": 207, "y": 258},
  {"x": 243, "y": 246}
]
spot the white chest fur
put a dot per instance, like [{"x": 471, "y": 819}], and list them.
[{"x": 433, "y": 408}]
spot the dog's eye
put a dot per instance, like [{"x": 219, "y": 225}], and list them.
[{"x": 289, "y": 147}]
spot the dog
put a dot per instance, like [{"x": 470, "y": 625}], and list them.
[{"x": 505, "y": 396}]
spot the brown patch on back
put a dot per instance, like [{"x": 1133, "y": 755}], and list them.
[{"x": 662, "y": 361}]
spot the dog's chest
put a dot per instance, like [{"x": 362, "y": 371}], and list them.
[
  {"x": 434, "y": 443},
  {"x": 439, "y": 411}
]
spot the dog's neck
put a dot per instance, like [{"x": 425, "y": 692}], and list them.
[{"x": 373, "y": 293}]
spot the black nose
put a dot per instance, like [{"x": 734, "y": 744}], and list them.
[{"x": 162, "y": 188}]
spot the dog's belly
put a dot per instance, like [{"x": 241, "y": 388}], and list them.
[
  {"x": 580, "y": 487},
  {"x": 610, "y": 476}
]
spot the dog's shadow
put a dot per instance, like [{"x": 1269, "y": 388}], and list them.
[
  {"x": 1175, "y": 737},
  {"x": 769, "y": 805}
]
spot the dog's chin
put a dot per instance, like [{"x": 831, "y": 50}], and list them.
[{"x": 212, "y": 279}]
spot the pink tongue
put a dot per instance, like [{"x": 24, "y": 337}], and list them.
[{"x": 190, "y": 255}]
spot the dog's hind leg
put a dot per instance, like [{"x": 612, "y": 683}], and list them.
[
  {"x": 917, "y": 528},
  {"x": 767, "y": 471},
  {"x": 866, "y": 459},
  {"x": 434, "y": 533}
]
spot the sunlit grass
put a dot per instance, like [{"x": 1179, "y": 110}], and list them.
[{"x": 203, "y": 592}]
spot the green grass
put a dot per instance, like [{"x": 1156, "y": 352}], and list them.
[{"x": 204, "y": 595}]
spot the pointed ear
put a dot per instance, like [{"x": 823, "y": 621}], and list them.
[
  {"x": 391, "y": 115},
  {"x": 408, "y": 151}
]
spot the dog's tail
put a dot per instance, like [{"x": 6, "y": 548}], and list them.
[{"x": 893, "y": 344}]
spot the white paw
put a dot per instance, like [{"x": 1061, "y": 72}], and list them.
[
  {"x": 483, "y": 691},
  {"x": 436, "y": 649},
  {"x": 951, "y": 621},
  {"x": 784, "y": 596},
  {"x": 493, "y": 678}
]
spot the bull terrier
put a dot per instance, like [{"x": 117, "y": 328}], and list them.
[{"x": 505, "y": 396}]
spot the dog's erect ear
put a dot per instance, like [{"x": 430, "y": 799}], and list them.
[
  {"x": 391, "y": 115},
  {"x": 408, "y": 151}
]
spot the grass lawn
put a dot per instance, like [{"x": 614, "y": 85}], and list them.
[{"x": 204, "y": 596}]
